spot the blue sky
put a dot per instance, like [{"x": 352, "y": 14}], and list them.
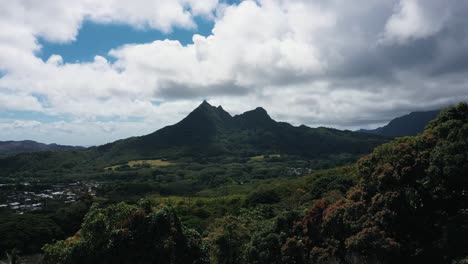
[{"x": 97, "y": 39}]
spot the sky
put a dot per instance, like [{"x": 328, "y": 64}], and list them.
[{"x": 88, "y": 72}]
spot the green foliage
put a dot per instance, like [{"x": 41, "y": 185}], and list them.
[
  {"x": 263, "y": 197},
  {"x": 253, "y": 236},
  {"x": 229, "y": 235},
  {"x": 199, "y": 212},
  {"x": 26, "y": 232},
  {"x": 266, "y": 243},
  {"x": 69, "y": 218},
  {"x": 409, "y": 207},
  {"x": 125, "y": 233},
  {"x": 461, "y": 261},
  {"x": 227, "y": 241},
  {"x": 322, "y": 185}
]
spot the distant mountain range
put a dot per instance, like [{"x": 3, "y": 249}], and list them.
[
  {"x": 211, "y": 131},
  {"x": 12, "y": 147},
  {"x": 407, "y": 125}
]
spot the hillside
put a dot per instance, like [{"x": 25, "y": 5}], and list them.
[
  {"x": 211, "y": 131},
  {"x": 11, "y": 147},
  {"x": 407, "y": 125}
]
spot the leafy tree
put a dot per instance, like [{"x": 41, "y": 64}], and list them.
[
  {"x": 409, "y": 207},
  {"x": 27, "y": 232},
  {"x": 227, "y": 240},
  {"x": 124, "y": 233},
  {"x": 268, "y": 196}
]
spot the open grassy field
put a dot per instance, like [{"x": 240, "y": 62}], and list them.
[
  {"x": 262, "y": 157},
  {"x": 136, "y": 163}
]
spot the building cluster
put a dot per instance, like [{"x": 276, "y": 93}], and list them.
[
  {"x": 24, "y": 197},
  {"x": 290, "y": 171}
]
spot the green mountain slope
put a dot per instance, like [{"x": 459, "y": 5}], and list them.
[{"x": 407, "y": 125}]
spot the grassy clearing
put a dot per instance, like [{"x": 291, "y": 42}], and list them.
[
  {"x": 138, "y": 163},
  {"x": 262, "y": 157},
  {"x": 199, "y": 212},
  {"x": 183, "y": 200},
  {"x": 152, "y": 163},
  {"x": 285, "y": 185}
]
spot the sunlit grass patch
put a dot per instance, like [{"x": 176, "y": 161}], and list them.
[
  {"x": 152, "y": 163},
  {"x": 262, "y": 157},
  {"x": 139, "y": 163}
]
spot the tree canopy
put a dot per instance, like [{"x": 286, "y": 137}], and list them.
[
  {"x": 125, "y": 233},
  {"x": 409, "y": 207}
]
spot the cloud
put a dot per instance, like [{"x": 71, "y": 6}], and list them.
[
  {"x": 416, "y": 19},
  {"x": 87, "y": 131},
  {"x": 23, "y": 21},
  {"x": 24, "y": 124},
  {"x": 330, "y": 63},
  {"x": 24, "y": 102}
]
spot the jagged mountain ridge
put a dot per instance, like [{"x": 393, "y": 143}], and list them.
[{"x": 210, "y": 130}]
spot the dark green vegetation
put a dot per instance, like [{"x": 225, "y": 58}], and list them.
[
  {"x": 404, "y": 203},
  {"x": 10, "y": 147},
  {"x": 408, "y": 125},
  {"x": 409, "y": 207},
  {"x": 27, "y": 232},
  {"x": 130, "y": 234}
]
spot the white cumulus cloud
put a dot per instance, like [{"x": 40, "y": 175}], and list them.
[{"x": 324, "y": 62}]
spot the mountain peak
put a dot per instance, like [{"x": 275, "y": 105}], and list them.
[
  {"x": 256, "y": 118},
  {"x": 207, "y": 115},
  {"x": 257, "y": 113},
  {"x": 204, "y": 104},
  {"x": 260, "y": 110}
]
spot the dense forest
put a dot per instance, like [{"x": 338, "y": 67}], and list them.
[{"x": 406, "y": 202}]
